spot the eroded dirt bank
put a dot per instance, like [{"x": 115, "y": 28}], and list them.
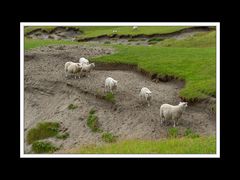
[
  {"x": 71, "y": 33},
  {"x": 48, "y": 94},
  {"x": 143, "y": 39},
  {"x": 65, "y": 33}
]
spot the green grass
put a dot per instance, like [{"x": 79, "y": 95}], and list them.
[
  {"x": 43, "y": 131},
  {"x": 34, "y": 43},
  {"x": 92, "y": 122},
  {"x": 197, "y": 66},
  {"x": 121, "y": 30},
  {"x": 62, "y": 136},
  {"x": 173, "y": 132},
  {"x": 31, "y": 28},
  {"x": 94, "y": 31},
  {"x": 110, "y": 97},
  {"x": 43, "y": 147},
  {"x": 109, "y": 137},
  {"x": 189, "y": 133},
  {"x": 199, "y": 40},
  {"x": 72, "y": 106},
  {"x": 185, "y": 145}
]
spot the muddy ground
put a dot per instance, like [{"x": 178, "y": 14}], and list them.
[{"x": 48, "y": 93}]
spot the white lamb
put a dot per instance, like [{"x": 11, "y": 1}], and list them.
[
  {"x": 135, "y": 27},
  {"x": 72, "y": 68},
  {"x": 87, "y": 68},
  {"x": 145, "y": 94},
  {"x": 114, "y": 31},
  {"x": 83, "y": 60},
  {"x": 169, "y": 112},
  {"x": 110, "y": 85}
]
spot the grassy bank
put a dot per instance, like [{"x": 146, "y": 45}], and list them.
[
  {"x": 94, "y": 31},
  {"x": 197, "y": 66},
  {"x": 35, "y": 43},
  {"x": 202, "y": 145}
]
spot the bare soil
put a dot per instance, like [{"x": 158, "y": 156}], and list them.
[
  {"x": 57, "y": 33},
  {"x": 48, "y": 93}
]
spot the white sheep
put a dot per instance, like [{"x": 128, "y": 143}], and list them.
[
  {"x": 72, "y": 68},
  {"x": 169, "y": 112},
  {"x": 135, "y": 27},
  {"x": 145, "y": 94},
  {"x": 114, "y": 31},
  {"x": 83, "y": 60},
  {"x": 110, "y": 85},
  {"x": 87, "y": 68}
]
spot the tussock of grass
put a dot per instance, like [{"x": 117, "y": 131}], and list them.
[
  {"x": 92, "y": 122},
  {"x": 110, "y": 97},
  {"x": 42, "y": 131},
  {"x": 185, "y": 145},
  {"x": 189, "y": 133},
  {"x": 43, "y": 147},
  {"x": 62, "y": 136},
  {"x": 72, "y": 106},
  {"x": 108, "y": 137},
  {"x": 173, "y": 132}
]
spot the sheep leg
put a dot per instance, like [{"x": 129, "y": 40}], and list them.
[
  {"x": 110, "y": 89},
  {"x": 106, "y": 89},
  {"x": 161, "y": 119},
  {"x": 177, "y": 122},
  {"x": 174, "y": 123}
]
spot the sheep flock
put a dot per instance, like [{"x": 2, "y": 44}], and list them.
[{"x": 84, "y": 67}]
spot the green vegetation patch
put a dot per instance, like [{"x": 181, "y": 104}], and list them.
[
  {"x": 92, "y": 121},
  {"x": 72, "y": 106},
  {"x": 34, "y": 43},
  {"x": 173, "y": 132},
  {"x": 43, "y": 147},
  {"x": 189, "y": 133},
  {"x": 198, "y": 40},
  {"x": 185, "y": 145},
  {"x": 108, "y": 137},
  {"x": 110, "y": 97},
  {"x": 62, "y": 136},
  {"x": 42, "y": 131}
]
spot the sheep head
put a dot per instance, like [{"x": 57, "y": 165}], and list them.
[{"x": 183, "y": 104}]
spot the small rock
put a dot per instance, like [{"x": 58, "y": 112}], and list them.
[{"x": 80, "y": 118}]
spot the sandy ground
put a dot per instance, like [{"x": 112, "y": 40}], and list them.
[{"x": 48, "y": 93}]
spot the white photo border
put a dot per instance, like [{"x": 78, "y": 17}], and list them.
[{"x": 23, "y": 155}]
